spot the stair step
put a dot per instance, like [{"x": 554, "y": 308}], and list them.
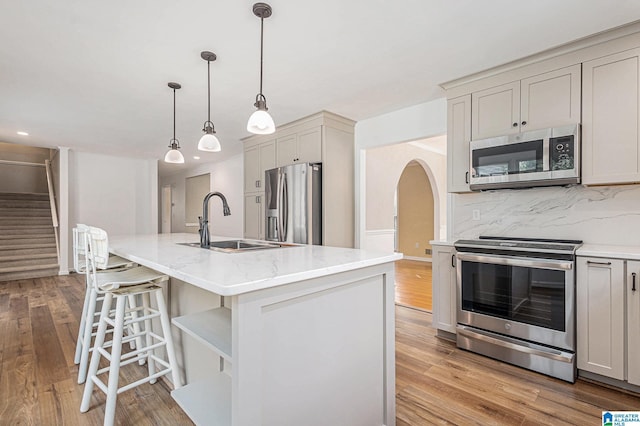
[
  {"x": 22, "y": 212},
  {"x": 28, "y": 262},
  {"x": 24, "y": 196},
  {"x": 25, "y": 268},
  {"x": 12, "y": 251},
  {"x": 18, "y": 240},
  {"x": 30, "y": 221},
  {"x": 27, "y": 245},
  {"x": 25, "y": 204},
  {"x": 20, "y": 257},
  {"x": 26, "y": 237},
  {"x": 26, "y": 230},
  {"x": 33, "y": 273}
]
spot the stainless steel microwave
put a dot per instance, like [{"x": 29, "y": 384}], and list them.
[{"x": 535, "y": 158}]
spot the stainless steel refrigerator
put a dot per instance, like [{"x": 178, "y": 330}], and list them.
[{"x": 293, "y": 207}]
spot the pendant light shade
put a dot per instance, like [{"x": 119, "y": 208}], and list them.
[
  {"x": 260, "y": 121},
  {"x": 209, "y": 141},
  {"x": 173, "y": 155}
]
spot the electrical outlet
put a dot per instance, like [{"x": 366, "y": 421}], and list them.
[
  {"x": 417, "y": 245},
  {"x": 476, "y": 214}
]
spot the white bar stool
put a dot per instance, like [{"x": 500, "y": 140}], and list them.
[
  {"x": 140, "y": 281},
  {"x": 89, "y": 316}
]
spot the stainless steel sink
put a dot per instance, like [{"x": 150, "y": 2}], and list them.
[{"x": 234, "y": 246}]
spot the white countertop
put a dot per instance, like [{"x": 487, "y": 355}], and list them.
[
  {"x": 441, "y": 243},
  {"x": 229, "y": 274},
  {"x": 615, "y": 252}
]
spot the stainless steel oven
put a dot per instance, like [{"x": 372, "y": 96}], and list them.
[{"x": 516, "y": 302}]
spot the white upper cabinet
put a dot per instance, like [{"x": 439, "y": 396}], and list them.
[
  {"x": 544, "y": 100},
  {"x": 458, "y": 138},
  {"x": 302, "y": 147},
  {"x": 611, "y": 113},
  {"x": 257, "y": 159},
  {"x": 496, "y": 111}
]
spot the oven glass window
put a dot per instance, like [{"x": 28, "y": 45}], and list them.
[
  {"x": 527, "y": 295},
  {"x": 516, "y": 158}
]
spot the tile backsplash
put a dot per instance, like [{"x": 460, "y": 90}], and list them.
[{"x": 597, "y": 215}]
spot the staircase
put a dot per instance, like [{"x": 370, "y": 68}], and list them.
[{"x": 27, "y": 238}]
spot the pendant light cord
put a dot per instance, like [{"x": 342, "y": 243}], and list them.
[
  {"x": 261, "y": 48},
  {"x": 174, "y": 114},
  {"x": 208, "y": 90}
]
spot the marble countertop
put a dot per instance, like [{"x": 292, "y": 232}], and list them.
[
  {"x": 441, "y": 243},
  {"x": 616, "y": 252},
  {"x": 230, "y": 274}
]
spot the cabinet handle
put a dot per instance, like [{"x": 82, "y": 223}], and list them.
[
  {"x": 453, "y": 260},
  {"x": 633, "y": 281},
  {"x": 524, "y": 123},
  {"x": 466, "y": 177},
  {"x": 257, "y": 184},
  {"x": 258, "y": 199},
  {"x": 590, "y": 262},
  {"x": 515, "y": 124}
]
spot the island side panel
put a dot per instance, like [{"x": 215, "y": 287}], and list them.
[{"x": 316, "y": 352}]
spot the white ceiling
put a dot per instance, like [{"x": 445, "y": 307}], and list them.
[{"x": 93, "y": 75}]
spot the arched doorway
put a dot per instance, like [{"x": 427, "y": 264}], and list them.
[{"x": 415, "y": 210}]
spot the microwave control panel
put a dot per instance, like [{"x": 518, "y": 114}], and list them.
[{"x": 562, "y": 153}]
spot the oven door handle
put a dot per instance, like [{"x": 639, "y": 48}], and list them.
[{"x": 527, "y": 262}]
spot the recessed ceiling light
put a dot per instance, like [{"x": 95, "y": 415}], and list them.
[
  {"x": 195, "y": 157},
  {"x": 23, "y": 133}
]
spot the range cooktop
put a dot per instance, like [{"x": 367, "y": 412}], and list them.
[{"x": 520, "y": 244}]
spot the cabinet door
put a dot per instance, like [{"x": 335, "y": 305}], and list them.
[
  {"x": 550, "y": 99},
  {"x": 496, "y": 111},
  {"x": 253, "y": 216},
  {"x": 267, "y": 160},
  {"x": 600, "y": 316},
  {"x": 286, "y": 150},
  {"x": 252, "y": 169},
  {"x": 610, "y": 118},
  {"x": 309, "y": 146},
  {"x": 458, "y": 137},
  {"x": 444, "y": 289},
  {"x": 633, "y": 322}
]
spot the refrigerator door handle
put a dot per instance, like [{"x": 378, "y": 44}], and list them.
[
  {"x": 279, "y": 206},
  {"x": 285, "y": 207}
]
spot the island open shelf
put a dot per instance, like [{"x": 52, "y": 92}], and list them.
[
  {"x": 207, "y": 402},
  {"x": 211, "y": 328}
]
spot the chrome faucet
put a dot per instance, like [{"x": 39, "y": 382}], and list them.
[{"x": 204, "y": 219}]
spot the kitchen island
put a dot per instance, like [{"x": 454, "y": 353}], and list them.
[{"x": 279, "y": 336}]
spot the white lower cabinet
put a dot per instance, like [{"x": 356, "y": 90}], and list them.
[
  {"x": 600, "y": 316},
  {"x": 633, "y": 322},
  {"x": 608, "y": 317},
  {"x": 444, "y": 288},
  {"x": 254, "y": 216}
]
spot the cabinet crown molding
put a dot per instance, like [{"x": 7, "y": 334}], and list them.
[{"x": 628, "y": 30}]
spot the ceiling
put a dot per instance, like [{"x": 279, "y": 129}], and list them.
[{"x": 93, "y": 75}]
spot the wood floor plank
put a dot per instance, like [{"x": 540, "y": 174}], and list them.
[
  {"x": 413, "y": 284},
  {"x": 51, "y": 364}
]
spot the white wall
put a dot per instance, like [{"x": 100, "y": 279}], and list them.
[
  {"x": 227, "y": 177},
  {"x": 383, "y": 168},
  {"x": 409, "y": 124},
  {"x": 118, "y": 194}
]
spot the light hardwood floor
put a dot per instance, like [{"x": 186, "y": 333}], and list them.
[
  {"x": 436, "y": 383},
  {"x": 413, "y": 284}
]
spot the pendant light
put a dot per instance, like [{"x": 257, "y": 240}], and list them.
[
  {"x": 173, "y": 155},
  {"x": 209, "y": 141},
  {"x": 260, "y": 121}
]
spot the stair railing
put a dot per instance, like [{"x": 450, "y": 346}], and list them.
[{"x": 52, "y": 202}]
